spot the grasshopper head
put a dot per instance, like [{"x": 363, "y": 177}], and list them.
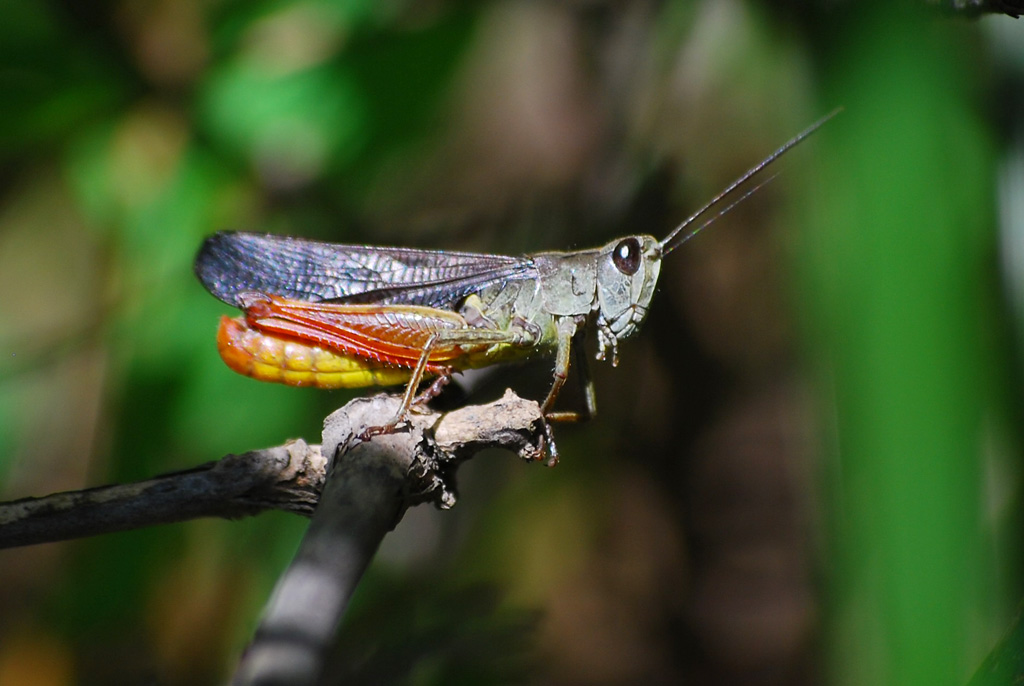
[{"x": 627, "y": 272}]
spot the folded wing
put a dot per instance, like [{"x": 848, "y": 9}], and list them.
[{"x": 232, "y": 263}]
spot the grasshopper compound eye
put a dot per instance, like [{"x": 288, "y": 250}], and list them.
[{"x": 626, "y": 256}]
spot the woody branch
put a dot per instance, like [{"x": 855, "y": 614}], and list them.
[
  {"x": 288, "y": 477},
  {"x": 368, "y": 488}
]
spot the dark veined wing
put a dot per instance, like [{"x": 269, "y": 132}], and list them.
[{"x": 230, "y": 263}]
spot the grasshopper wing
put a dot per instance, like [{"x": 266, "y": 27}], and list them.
[{"x": 232, "y": 263}]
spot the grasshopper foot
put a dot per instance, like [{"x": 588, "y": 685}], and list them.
[
  {"x": 434, "y": 389},
  {"x": 396, "y": 423},
  {"x": 546, "y": 449},
  {"x": 565, "y": 416}
]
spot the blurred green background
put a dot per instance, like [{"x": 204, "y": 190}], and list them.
[{"x": 806, "y": 468}]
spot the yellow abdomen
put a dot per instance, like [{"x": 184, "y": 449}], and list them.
[{"x": 271, "y": 358}]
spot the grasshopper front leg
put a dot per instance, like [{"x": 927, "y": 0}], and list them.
[{"x": 571, "y": 335}]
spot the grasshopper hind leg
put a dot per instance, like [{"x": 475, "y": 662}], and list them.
[
  {"x": 466, "y": 336},
  {"x": 409, "y": 398},
  {"x": 425, "y": 396}
]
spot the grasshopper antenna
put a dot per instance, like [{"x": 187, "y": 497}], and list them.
[{"x": 673, "y": 241}]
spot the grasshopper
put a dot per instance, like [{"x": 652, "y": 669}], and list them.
[{"x": 332, "y": 316}]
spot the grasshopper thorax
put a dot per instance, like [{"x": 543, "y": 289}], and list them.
[{"x": 627, "y": 273}]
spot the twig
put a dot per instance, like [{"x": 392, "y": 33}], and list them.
[
  {"x": 287, "y": 477},
  {"x": 368, "y": 488}
]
